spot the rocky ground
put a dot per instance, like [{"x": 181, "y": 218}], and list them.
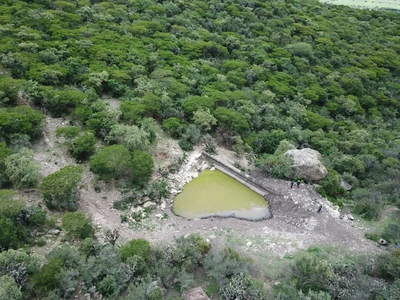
[{"x": 295, "y": 225}]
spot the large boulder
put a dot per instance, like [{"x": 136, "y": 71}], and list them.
[
  {"x": 306, "y": 164},
  {"x": 196, "y": 294}
]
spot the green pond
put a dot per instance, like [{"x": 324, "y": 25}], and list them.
[{"x": 213, "y": 193}]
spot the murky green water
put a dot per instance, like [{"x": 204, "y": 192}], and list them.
[{"x": 214, "y": 193}]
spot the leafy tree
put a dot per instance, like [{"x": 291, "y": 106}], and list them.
[
  {"x": 48, "y": 277},
  {"x": 4, "y": 153},
  {"x": 60, "y": 189},
  {"x": 83, "y": 146},
  {"x": 9, "y": 289},
  {"x": 22, "y": 169},
  {"x": 132, "y": 111},
  {"x": 68, "y": 131},
  {"x": 231, "y": 119},
  {"x": 204, "y": 119},
  {"x": 142, "y": 166},
  {"x": 9, "y": 206},
  {"x": 12, "y": 236},
  {"x": 174, "y": 126},
  {"x": 316, "y": 121},
  {"x": 111, "y": 162},
  {"x": 132, "y": 137},
  {"x": 20, "y": 119},
  {"x": 139, "y": 247},
  {"x": 78, "y": 225}
]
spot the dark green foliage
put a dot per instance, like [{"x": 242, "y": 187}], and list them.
[
  {"x": 60, "y": 188},
  {"x": 77, "y": 225},
  {"x": 139, "y": 247},
  {"x": 132, "y": 111},
  {"x": 330, "y": 185},
  {"x": 231, "y": 119},
  {"x": 68, "y": 131},
  {"x": 111, "y": 162},
  {"x": 142, "y": 166},
  {"x": 185, "y": 145},
  {"x": 174, "y": 126},
  {"x": 48, "y": 278},
  {"x": 83, "y": 146},
  {"x": 316, "y": 121},
  {"x": 389, "y": 265},
  {"x": 12, "y": 236},
  {"x": 20, "y": 120}
]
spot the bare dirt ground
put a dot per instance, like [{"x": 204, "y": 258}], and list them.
[{"x": 295, "y": 225}]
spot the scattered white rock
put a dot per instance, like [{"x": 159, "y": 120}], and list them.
[
  {"x": 212, "y": 169},
  {"x": 54, "y": 231},
  {"x": 212, "y": 237},
  {"x": 149, "y": 203},
  {"x": 163, "y": 205},
  {"x": 345, "y": 185},
  {"x": 159, "y": 216},
  {"x": 350, "y": 217}
]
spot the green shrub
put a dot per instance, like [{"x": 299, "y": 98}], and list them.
[
  {"x": 60, "y": 189},
  {"x": 48, "y": 277},
  {"x": 108, "y": 286},
  {"x": 242, "y": 286},
  {"x": 225, "y": 263},
  {"x": 309, "y": 273},
  {"x": 389, "y": 265},
  {"x": 22, "y": 169},
  {"x": 139, "y": 247},
  {"x": 68, "y": 131},
  {"x": 9, "y": 206},
  {"x": 84, "y": 146},
  {"x": 111, "y": 162},
  {"x": 330, "y": 185},
  {"x": 185, "y": 145},
  {"x": 78, "y": 225},
  {"x": 9, "y": 289},
  {"x": 142, "y": 166},
  {"x": 41, "y": 242}
]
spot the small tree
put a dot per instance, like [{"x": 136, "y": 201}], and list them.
[
  {"x": 78, "y": 225},
  {"x": 83, "y": 146},
  {"x": 48, "y": 278},
  {"x": 60, "y": 189},
  {"x": 139, "y": 247},
  {"x": 10, "y": 207},
  {"x": 204, "y": 119},
  {"x": 111, "y": 162},
  {"x": 22, "y": 169},
  {"x": 9, "y": 289},
  {"x": 142, "y": 166}
]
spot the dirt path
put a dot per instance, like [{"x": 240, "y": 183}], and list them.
[{"x": 296, "y": 224}]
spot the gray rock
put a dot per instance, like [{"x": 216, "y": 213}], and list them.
[
  {"x": 307, "y": 165},
  {"x": 54, "y": 231},
  {"x": 345, "y": 185},
  {"x": 196, "y": 294},
  {"x": 149, "y": 203},
  {"x": 350, "y": 217},
  {"x": 92, "y": 290}
]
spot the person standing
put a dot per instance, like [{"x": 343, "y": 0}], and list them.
[
  {"x": 298, "y": 183},
  {"x": 292, "y": 184},
  {"x": 319, "y": 208}
]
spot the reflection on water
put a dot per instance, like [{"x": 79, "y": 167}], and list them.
[{"x": 213, "y": 193}]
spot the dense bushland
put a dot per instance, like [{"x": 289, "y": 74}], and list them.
[{"x": 261, "y": 76}]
